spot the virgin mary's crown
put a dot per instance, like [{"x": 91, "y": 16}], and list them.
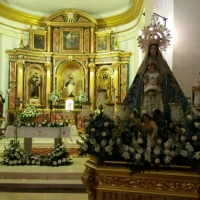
[{"x": 155, "y": 33}]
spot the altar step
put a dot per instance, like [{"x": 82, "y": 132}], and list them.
[{"x": 43, "y": 176}]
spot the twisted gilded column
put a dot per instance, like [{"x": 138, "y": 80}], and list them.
[
  {"x": 20, "y": 74},
  {"x": 92, "y": 83},
  {"x": 48, "y": 65},
  {"x": 116, "y": 78}
]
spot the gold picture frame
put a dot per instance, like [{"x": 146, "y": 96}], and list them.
[
  {"x": 102, "y": 41},
  {"x": 39, "y": 40},
  {"x": 71, "y": 40}
]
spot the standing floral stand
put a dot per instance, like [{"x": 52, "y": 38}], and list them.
[
  {"x": 81, "y": 97},
  {"x": 54, "y": 98}
]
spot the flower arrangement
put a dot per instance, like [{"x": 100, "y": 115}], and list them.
[
  {"x": 59, "y": 156},
  {"x": 175, "y": 144},
  {"x": 29, "y": 112},
  {"x": 98, "y": 137},
  {"x": 34, "y": 159},
  {"x": 14, "y": 155},
  {"x": 81, "y": 97},
  {"x": 40, "y": 124},
  {"x": 55, "y": 97}
]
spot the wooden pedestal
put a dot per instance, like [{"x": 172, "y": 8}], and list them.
[{"x": 112, "y": 181}]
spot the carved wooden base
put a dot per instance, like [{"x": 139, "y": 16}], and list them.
[{"x": 113, "y": 182}]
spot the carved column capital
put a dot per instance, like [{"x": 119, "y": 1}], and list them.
[
  {"x": 116, "y": 66},
  {"x": 48, "y": 66},
  {"x": 92, "y": 66},
  {"x": 20, "y": 64}
]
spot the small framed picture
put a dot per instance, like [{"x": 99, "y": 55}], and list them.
[
  {"x": 39, "y": 41},
  {"x": 102, "y": 42},
  {"x": 71, "y": 40}
]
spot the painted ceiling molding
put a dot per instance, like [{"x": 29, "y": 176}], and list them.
[{"x": 117, "y": 20}]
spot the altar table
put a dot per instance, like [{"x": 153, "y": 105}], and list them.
[{"x": 40, "y": 132}]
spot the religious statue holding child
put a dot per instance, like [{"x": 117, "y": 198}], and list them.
[
  {"x": 35, "y": 85},
  {"x": 154, "y": 85}
]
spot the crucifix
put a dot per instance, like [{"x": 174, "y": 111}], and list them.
[{"x": 17, "y": 103}]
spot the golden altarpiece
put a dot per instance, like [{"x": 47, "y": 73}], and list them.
[{"x": 68, "y": 55}]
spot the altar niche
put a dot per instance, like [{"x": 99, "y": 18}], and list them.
[
  {"x": 69, "y": 78},
  {"x": 34, "y": 84},
  {"x": 104, "y": 79}
]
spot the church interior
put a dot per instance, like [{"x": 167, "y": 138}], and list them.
[{"x": 61, "y": 61}]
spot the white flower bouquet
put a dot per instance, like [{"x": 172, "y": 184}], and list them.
[
  {"x": 81, "y": 97},
  {"x": 29, "y": 112},
  {"x": 55, "y": 96}
]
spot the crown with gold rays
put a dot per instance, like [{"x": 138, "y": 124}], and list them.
[{"x": 155, "y": 33}]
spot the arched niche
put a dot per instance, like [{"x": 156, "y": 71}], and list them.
[
  {"x": 66, "y": 70},
  {"x": 32, "y": 83},
  {"x": 104, "y": 79}
]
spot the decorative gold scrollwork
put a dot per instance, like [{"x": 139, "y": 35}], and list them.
[
  {"x": 90, "y": 180},
  {"x": 133, "y": 197},
  {"x": 198, "y": 190},
  {"x": 110, "y": 196}
]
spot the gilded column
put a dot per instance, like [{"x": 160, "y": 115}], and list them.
[
  {"x": 48, "y": 82},
  {"x": 92, "y": 40},
  {"x": 20, "y": 77},
  {"x": 48, "y": 38},
  {"x": 92, "y": 83},
  {"x": 116, "y": 79}
]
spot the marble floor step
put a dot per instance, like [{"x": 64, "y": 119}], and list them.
[
  {"x": 39, "y": 183},
  {"x": 40, "y": 176}
]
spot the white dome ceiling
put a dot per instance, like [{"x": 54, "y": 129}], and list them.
[{"x": 96, "y": 8}]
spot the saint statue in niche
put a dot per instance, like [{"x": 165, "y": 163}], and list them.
[
  {"x": 106, "y": 84},
  {"x": 70, "y": 86},
  {"x": 35, "y": 82},
  {"x": 2, "y": 101}
]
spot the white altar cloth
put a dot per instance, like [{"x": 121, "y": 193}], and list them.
[{"x": 41, "y": 132}]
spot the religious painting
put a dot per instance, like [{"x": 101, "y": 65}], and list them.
[
  {"x": 39, "y": 41},
  {"x": 71, "y": 40},
  {"x": 102, "y": 42}
]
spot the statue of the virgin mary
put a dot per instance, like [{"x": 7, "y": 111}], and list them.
[{"x": 157, "y": 88}]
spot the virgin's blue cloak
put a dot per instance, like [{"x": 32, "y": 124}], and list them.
[{"x": 171, "y": 91}]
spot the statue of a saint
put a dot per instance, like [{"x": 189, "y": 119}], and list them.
[
  {"x": 35, "y": 84},
  {"x": 152, "y": 88},
  {"x": 149, "y": 129},
  {"x": 70, "y": 86},
  {"x": 2, "y": 101}
]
